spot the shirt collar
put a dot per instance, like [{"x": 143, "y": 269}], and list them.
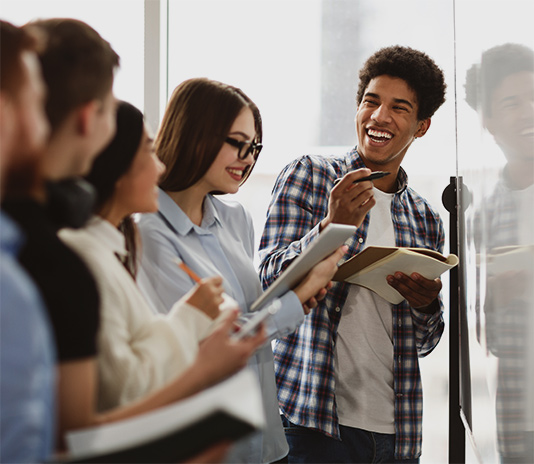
[
  {"x": 180, "y": 222},
  {"x": 357, "y": 163},
  {"x": 108, "y": 235}
]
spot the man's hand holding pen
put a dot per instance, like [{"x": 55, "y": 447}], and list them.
[
  {"x": 351, "y": 198},
  {"x": 375, "y": 175}
]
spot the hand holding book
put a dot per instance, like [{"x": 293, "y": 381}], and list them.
[
  {"x": 371, "y": 267},
  {"x": 420, "y": 293}
]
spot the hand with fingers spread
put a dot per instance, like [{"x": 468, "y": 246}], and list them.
[
  {"x": 419, "y": 291},
  {"x": 349, "y": 203},
  {"x": 207, "y": 296},
  {"x": 318, "y": 281}
]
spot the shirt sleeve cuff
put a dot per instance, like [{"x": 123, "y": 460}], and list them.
[
  {"x": 287, "y": 319},
  {"x": 424, "y": 319}
]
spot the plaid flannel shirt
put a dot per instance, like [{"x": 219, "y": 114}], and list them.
[{"x": 304, "y": 360}]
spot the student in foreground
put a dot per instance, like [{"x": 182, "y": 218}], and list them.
[
  {"x": 209, "y": 140},
  {"x": 141, "y": 354},
  {"x": 27, "y": 354},
  {"x": 81, "y": 116},
  {"x": 348, "y": 379}
]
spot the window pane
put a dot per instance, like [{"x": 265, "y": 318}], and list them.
[
  {"x": 119, "y": 22},
  {"x": 495, "y": 159}
]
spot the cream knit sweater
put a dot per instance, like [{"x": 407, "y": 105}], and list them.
[{"x": 138, "y": 351}]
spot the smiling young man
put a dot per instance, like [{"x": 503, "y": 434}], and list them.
[{"x": 348, "y": 378}]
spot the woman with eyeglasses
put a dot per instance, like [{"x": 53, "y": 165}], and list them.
[
  {"x": 144, "y": 361},
  {"x": 209, "y": 141}
]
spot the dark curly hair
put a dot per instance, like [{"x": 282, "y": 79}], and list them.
[
  {"x": 419, "y": 71},
  {"x": 496, "y": 64}
]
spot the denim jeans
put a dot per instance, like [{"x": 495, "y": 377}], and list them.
[{"x": 356, "y": 446}]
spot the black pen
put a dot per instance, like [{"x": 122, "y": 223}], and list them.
[{"x": 373, "y": 176}]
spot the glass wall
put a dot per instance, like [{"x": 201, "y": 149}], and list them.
[
  {"x": 495, "y": 82},
  {"x": 119, "y": 22},
  {"x": 299, "y": 61}
]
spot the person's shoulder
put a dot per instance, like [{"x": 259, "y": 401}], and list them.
[
  {"x": 30, "y": 215},
  {"x": 16, "y": 285},
  {"x": 74, "y": 235},
  {"x": 315, "y": 162},
  {"x": 80, "y": 240},
  {"x": 95, "y": 253},
  {"x": 148, "y": 222},
  {"x": 313, "y": 166},
  {"x": 226, "y": 207},
  {"x": 422, "y": 204}
]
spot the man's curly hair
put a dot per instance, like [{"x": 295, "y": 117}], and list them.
[
  {"x": 419, "y": 71},
  {"x": 496, "y": 64}
]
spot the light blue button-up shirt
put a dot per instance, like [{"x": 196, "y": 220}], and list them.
[
  {"x": 222, "y": 245},
  {"x": 27, "y": 360}
]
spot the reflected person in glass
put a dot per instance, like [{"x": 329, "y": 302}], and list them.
[{"x": 501, "y": 89}]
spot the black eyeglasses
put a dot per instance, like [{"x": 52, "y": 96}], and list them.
[{"x": 245, "y": 148}]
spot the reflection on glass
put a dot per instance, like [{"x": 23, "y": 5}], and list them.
[{"x": 501, "y": 89}]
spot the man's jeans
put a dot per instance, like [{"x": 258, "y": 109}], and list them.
[{"x": 356, "y": 446}]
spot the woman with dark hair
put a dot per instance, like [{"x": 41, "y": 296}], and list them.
[
  {"x": 141, "y": 356},
  {"x": 209, "y": 141}
]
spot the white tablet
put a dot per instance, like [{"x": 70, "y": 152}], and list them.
[{"x": 328, "y": 241}]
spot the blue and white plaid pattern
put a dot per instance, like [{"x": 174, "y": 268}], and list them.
[{"x": 304, "y": 360}]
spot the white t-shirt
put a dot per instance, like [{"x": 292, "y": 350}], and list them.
[{"x": 363, "y": 360}]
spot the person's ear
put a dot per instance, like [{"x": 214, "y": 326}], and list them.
[
  {"x": 86, "y": 115},
  {"x": 423, "y": 128},
  {"x": 119, "y": 183}
]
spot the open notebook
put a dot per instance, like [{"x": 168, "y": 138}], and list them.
[{"x": 370, "y": 267}]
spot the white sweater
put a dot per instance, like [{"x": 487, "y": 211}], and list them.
[{"x": 138, "y": 351}]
